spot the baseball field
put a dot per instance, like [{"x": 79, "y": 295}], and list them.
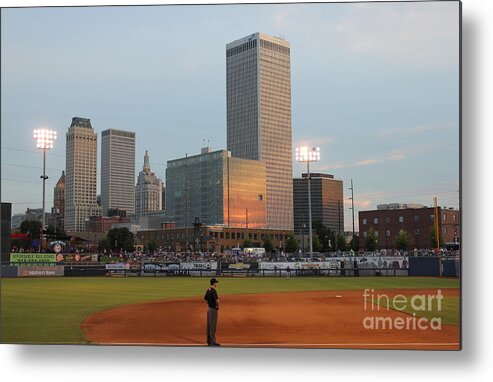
[{"x": 332, "y": 312}]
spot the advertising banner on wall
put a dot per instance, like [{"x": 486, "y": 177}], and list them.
[
  {"x": 396, "y": 262},
  {"x": 76, "y": 258},
  {"x": 161, "y": 267},
  {"x": 199, "y": 265},
  {"x": 19, "y": 258},
  {"x": 26, "y": 271},
  {"x": 238, "y": 266},
  {"x": 117, "y": 266}
]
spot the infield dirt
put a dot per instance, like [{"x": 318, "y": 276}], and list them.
[{"x": 301, "y": 320}]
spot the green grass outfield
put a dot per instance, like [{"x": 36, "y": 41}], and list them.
[{"x": 51, "y": 310}]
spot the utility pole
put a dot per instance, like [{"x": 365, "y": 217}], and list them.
[
  {"x": 186, "y": 190},
  {"x": 339, "y": 215},
  {"x": 437, "y": 232}
]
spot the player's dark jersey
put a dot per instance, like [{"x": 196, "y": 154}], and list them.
[{"x": 211, "y": 297}]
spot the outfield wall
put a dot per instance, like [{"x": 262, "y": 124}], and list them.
[
  {"x": 358, "y": 266},
  {"x": 32, "y": 271}
]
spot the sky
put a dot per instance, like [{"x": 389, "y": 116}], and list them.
[{"x": 375, "y": 86}]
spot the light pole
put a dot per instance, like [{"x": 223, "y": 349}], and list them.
[
  {"x": 352, "y": 207},
  {"x": 305, "y": 154},
  {"x": 44, "y": 141}
]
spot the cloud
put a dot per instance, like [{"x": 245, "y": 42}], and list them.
[
  {"x": 424, "y": 34},
  {"x": 393, "y": 155},
  {"x": 367, "y": 162},
  {"x": 362, "y": 203},
  {"x": 396, "y": 155},
  {"x": 416, "y": 130}
]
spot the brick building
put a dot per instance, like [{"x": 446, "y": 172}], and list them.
[
  {"x": 104, "y": 223},
  {"x": 210, "y": 238},
  {"x": 417, "y": 220}
]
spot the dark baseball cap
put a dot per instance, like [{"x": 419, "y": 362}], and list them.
[{"x": 214, "y": 280}]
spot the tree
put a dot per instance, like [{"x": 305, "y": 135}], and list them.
[
  {"x": 371, "y": 240},
  {"x": 268, "y": 245},
  {"x": 355, "y": 243},
  {"x": 152, "y": 246},
  {"x": 325, "y": 235},
  {"x": 55, "y": 231},
  {"x": 341, "y": 242},
  {"x": 291, "y": 244},
  {"x": 247, "y": 243},
  {"x": 403, "y": 240},
  {"x": 121, "y": 238},
  {"x": 104, "y": 244},
  {"x": 433, "y": 240},
  {"x": 317, "y": 246},
  {"x": 31, "y": 227}
]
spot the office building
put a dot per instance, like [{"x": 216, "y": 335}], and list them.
[
  {"x": 104, "y": 223},
  {"x": 148, "y": 191},
  {"x": 327, "y": 199},
  {"x": 117, "y": 170},
  {"x": 217, "y": 189},
  {"x": 258, "y": 87},
  {"x": 17, "y": 220},
  {"x": 80, "y": 175},
  {"x": 418, "y": 222},
  {"x": 58, "y": 210}
]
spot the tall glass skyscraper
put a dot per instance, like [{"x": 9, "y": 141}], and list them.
[{"x": 258, "y": 80}]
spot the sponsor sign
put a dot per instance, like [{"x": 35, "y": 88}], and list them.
[
  {"x": 25, "y": 271},
  {"x": 76, "y": 258},
  {"x": 162, "y": 266},
  {"x": 382, "y": 262},
  {"x": 278, "y": 265},
  {"x": 335, "y": 263},
  {"x": 239, "y": 266},
  {"x": 199, "y": 265},
  {"x": 20, "y": 258},
  {"x": 117, "y": 266}
]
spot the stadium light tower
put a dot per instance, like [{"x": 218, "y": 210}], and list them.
[
  {"x": 44, "y": 141},
  {"x": 306, "y": 154}
]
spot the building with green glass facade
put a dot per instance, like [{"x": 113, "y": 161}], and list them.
[{"x": 217, "y": 189}]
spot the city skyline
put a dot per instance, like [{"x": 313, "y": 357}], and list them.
[{"x": 381, "y": 101}]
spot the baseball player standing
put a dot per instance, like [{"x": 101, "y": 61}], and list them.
[{"x": 212, "y": 312}]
